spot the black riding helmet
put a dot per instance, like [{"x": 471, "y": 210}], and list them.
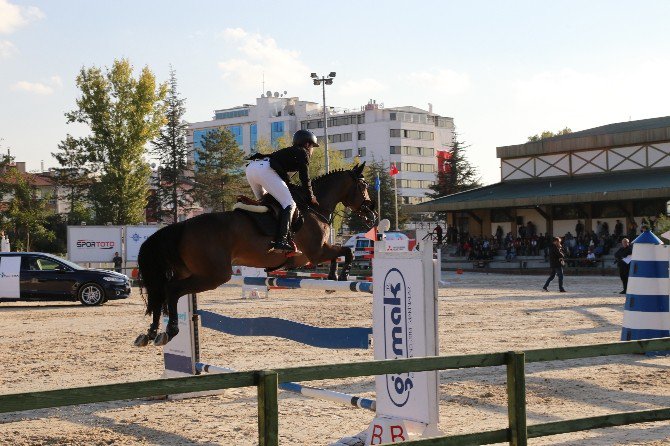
[{"x": 302, "y": 137}]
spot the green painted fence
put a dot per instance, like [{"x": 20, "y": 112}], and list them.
[{"x": 266, "y": 381}]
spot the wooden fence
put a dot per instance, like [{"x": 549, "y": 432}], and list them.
[{"x": 266, "y": 381}]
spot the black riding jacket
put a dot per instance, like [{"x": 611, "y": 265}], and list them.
[{"x": 290, "y": 159}]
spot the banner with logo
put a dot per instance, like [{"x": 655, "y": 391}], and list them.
[
  {"x": 93, "y": 243},
  {"x": 404, "y": 327},
  {"x": 135, "y": 236},
  {"x": 9, "y": 277}
]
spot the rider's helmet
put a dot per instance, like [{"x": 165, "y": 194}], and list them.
[{"x": 302, "y": 137}]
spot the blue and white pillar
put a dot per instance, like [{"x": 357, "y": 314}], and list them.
[{"x": 646, "y": 313}]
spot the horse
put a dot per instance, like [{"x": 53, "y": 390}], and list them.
[{"x": 197, "y": 254}]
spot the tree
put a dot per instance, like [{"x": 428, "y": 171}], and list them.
[
  {"x": 73, "y": 177},
  {"x": 171, "y": 147},
  {"x": 263, "y": 145},
  {"x": 219, "y": 171},
  {"x": 549, "y": 134},
  {"x": 27, "y": 213},
  {"x": 123, "y": 113},
  {"x": 386, "y": 194},
  {"x": 457, "y": 174}
]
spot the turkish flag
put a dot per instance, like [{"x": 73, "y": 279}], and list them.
[{"x": 393, "y": 170}]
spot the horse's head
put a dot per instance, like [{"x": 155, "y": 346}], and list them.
[{"x": 357, "y": 198}]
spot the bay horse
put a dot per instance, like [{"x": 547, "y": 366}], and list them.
[{"x": 197, "y": 254}]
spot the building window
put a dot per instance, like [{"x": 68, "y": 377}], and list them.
[
  {"x": 393, "y": 115},
  {"x": 253, "y": 130},
  {"x": 412, "y": 134},
  {"x": 396, "y": 133},
  {"x": 416, "y": 167},
  {"x": 361, "y": 151},
  {"x": 231, "y": 114},
  {"x": 411, "y": 150},
  {"x": 276, "y": 132},
  {"x": 395, "y": 150},
  {"x": 361, "y": 136},
  {"x": 347, "y": 153}
]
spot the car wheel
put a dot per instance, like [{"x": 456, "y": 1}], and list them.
[{"x": 91, "y": 294}]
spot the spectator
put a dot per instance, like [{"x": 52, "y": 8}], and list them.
[
  {"x": 118, "y": 262},
  {"x": 618, "y": 229},
  {"x": 438, "y": 234},
  {"x": 556, "y": 263},
  {"x": 623, "y": 256}
]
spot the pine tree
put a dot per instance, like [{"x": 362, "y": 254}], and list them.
[
  {"x": 457, "y": 175},
  {"x": 73, "y": 178},
  {"x": 219, "y": 171},
  {"x": 171, "y": 147}
]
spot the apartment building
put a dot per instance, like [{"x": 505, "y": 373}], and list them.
[{"x": 408, "y": 136}]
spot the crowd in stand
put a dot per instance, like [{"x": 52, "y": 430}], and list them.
[{"x": 583, "y": 248}]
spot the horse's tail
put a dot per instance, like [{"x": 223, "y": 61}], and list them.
[{"x": 156, "y": 261}]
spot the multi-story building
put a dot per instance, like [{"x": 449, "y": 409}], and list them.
[{"x": 407, "y": 136}]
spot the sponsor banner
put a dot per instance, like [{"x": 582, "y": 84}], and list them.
[
  {"x": 93, "y": 243},
  {"x": 179, "y": 353},
  {"x": 9, "y": 277},
  {"x": 396, "y": 245},
  {"x": 135, "y": 236},
  {"x": 400, "y": 332}
]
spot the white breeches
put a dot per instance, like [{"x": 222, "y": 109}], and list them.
[{"x": 263, "y": 178}]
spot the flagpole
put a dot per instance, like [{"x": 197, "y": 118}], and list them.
[
  {"x": 379, "y": 197},
  {"x": 395, "y": 186}
]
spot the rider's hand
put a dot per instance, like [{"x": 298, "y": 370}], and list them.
[{"x": 314, "y": 202}]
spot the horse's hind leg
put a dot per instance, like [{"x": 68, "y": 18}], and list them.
[
  {"x": 346, "y": 267},
  {"x": 174, "y": 290}
]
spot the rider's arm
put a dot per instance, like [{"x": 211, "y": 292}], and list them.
[{"x": 303, "y": 172}]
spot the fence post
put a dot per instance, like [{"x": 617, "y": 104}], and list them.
[
  {"x": 268, "y": 410},
  {"x": 516, "y": 398}
]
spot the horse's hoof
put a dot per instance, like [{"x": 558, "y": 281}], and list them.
[
  {"x": 141, "y": 341},
  {"x": 330, "y": 291},
  {"x": 161, "y": 339}
]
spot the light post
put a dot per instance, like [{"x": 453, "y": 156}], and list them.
[{"x": 323, "y": 81}]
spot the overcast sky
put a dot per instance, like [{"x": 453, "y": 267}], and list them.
[{"x": 503, "y": 70}]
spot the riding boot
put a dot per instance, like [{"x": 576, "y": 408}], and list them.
[{"x": 282, "y": 242}]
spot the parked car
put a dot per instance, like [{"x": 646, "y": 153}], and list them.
[{"x": 39, "y": 276}]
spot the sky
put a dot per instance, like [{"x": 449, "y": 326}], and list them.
[{"x": 503, "y": 70}]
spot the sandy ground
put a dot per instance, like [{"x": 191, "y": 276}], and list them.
[{"x": 49, "y": 346}]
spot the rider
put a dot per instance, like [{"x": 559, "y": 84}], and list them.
[{"x": 270, "y": 173}]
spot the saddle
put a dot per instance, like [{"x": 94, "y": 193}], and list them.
[{"x": 265, "y": 213}]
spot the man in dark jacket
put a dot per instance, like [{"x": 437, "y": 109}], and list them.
[
  {"x": 270, "y": 173},
  {"x": 622, "y": 253},
  {"x": 556, "y": 263}
]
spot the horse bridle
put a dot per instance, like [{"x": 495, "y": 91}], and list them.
[{"x": 366, "y": 210}]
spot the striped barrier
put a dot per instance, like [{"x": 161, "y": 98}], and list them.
[
  {"x": 315, "y": 275},
  {"x": 309, "y": 284},
  {"x": 646, "y": 311},
  {"x": 311, "y": 392}
]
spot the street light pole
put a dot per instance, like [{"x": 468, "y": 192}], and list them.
[{"x": 323, "y": 81}]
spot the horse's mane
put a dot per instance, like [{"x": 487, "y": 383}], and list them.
[{"x": 326, "y": 176}]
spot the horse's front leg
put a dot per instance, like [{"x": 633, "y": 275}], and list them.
[
  {"x": 346, "y": 267},
  {"x": 172, "y": 328}
]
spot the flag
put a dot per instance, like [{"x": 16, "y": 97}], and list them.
[
  {"x": 372, "y": 234},
  {"x": 393, "y": 170},
  {"x": 377, "y": 183}
]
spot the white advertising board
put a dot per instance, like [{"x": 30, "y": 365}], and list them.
[
  {"x": 135, "y": 236},
  {"x": 93, "y": 243},
  {"x": 9, "y": 277}
]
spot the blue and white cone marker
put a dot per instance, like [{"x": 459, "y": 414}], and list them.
[{"x": 647, "y": 310}]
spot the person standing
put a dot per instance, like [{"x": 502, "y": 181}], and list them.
[
  {"x": 438, "y": 234},
  {"x": 622, "y": 257},
  {"x": 556, "y": 263},
  {"x": 118, "y": 262}
]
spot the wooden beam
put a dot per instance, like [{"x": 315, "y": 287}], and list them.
[{"x": 475, "y": 217}]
